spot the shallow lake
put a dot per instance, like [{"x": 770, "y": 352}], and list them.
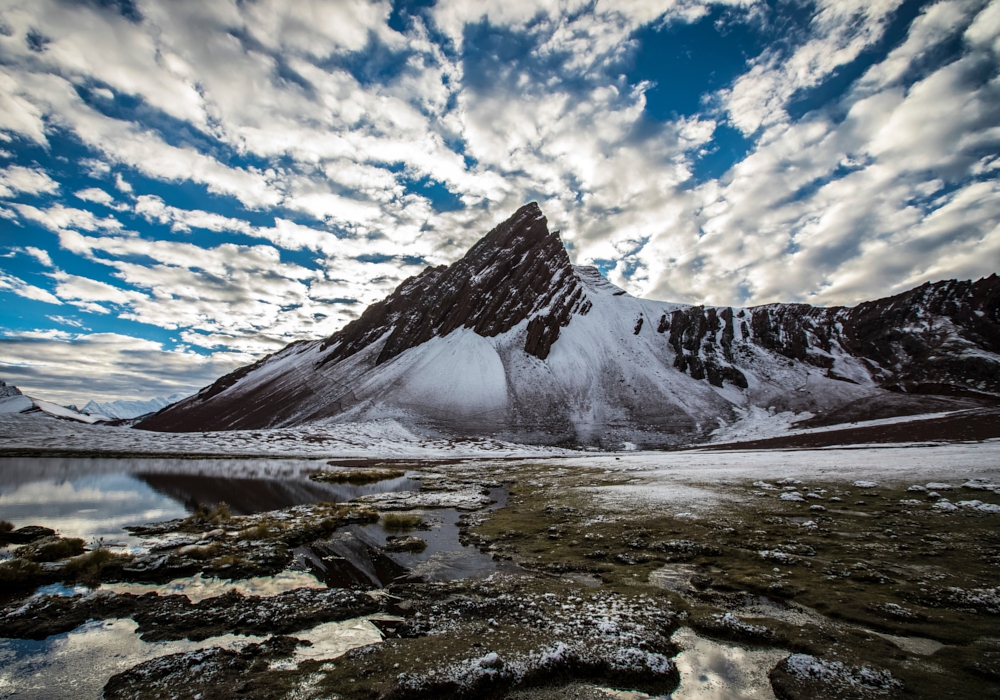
[{"x": 96, "y": 498}]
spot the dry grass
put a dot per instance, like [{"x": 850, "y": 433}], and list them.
[
  {"x": 356, "y": 476},
  {"x": 51, "y": 549},
  {"x": 88, "y": 567},
  {"x": 217, "y": 515},
  {"x": 18, "y": 573}
]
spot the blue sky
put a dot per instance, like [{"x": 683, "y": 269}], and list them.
[{"x": 187, "y": 185}]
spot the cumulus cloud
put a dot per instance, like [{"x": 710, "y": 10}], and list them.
[
  {"x": 16, "y": 179},
  {"x": 70, "y": 367},
  {"x": 364, "y": 152}
]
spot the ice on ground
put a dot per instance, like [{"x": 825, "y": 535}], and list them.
[
  {"x": 791, "y": 496},
  {"x": 840, "y": 676},
  {"x": 699, "y": 479},
  {"x": 375, "y": 439},
  {"x": 980, "y": 506},
  {"x": 914, "y": 645},
  {"x": 756, "y": 423},
  {"x": 674, "y": 577},
  {"x": 712, "y": 671},
  {"x": 198, "y": 589},
  {"x": 981, "y": 485},
  {"x": 866, "y": 484},
  {"x": 79, "y": 663}
]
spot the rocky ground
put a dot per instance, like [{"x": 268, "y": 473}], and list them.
[{"x": 775, "y": 586}]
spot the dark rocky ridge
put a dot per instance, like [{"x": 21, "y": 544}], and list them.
[
  {"x": 518, "y": 287},
  {"x": 912, "y": 342},
  {"x": 516, "y": 269}
]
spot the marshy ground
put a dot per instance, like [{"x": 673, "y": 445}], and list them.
[{"x": 587, "y": 579}]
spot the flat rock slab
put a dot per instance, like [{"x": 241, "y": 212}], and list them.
[{"x": 462, "y": 499}]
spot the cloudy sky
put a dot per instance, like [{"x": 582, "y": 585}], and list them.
[{"x": 186, "y": 185}]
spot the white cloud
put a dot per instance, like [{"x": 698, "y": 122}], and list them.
[
  {"x": 23, "y": 289},
  {"x": 16, "y": 178},
  {"x": 95, "y": 194},
  {"x": 39, "y": 255},
  {"x": 76, "y": 367},
  {"x": 840, "y": 31},
  {"x": 58, "y": 217}
]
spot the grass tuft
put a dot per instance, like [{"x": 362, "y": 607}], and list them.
[
  {"x": 18, "y": 573},
  {"x": 51, "y": 549},
  {"x": 89, "y": 567},
  {"x": 215, "y": 516}
]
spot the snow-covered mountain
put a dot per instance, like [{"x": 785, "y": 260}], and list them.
[
  {"x": 516, "y": 342},
  {"x": 13, "y": 401},
  {"x": 123, "y": 408}
]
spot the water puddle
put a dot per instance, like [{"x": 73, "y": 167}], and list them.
[
  {"x": 353, "y": 555},
  {"x": 198, "y": 589},
  {"x": 333, "y": 639},
  {"x": 712, "y": 671},
  {"x": 79, "y": 663},
  {"x": 920, "y": 646}
]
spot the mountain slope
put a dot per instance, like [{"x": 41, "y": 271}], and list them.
[{"x": 514, "y": 341}]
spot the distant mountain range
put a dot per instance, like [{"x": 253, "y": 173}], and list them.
[
  {"x": 131, "y": 409},
  {"x": 514, "y": 341},
  {"x": 13, "y": 401}
]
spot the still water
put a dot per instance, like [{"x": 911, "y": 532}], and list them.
[{"x": 96, "y": 498}]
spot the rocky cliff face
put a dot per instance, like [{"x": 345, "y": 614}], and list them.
[
  {"x": 941, "y": 338},
  {"x": 514, "y": 341},
  {"x": 513, "y": 273}
]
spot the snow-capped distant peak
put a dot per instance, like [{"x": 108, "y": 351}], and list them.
[
  {"x": 13, "y": 401},
  {"x": 8, "y": 390},
  {"x": 124, "y": 408}
]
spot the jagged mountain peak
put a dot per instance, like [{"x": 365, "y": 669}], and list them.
[
  {"x": 513, "y": 340},
  {"x": 517, "y": 269}
]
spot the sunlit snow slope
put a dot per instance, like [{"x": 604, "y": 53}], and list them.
[{"x": 515, "y": 342}]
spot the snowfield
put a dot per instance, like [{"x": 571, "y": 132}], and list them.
[{"x": 384, "y": 439}]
